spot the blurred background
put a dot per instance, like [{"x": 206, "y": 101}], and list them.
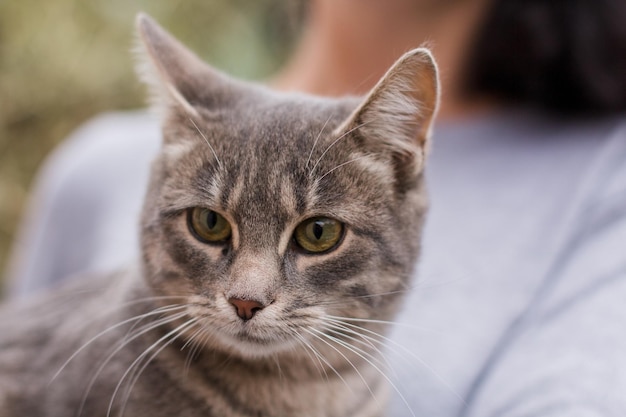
[{"x": 63, "y": 61}]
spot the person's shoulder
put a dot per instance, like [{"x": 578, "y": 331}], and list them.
[
  {"x": 603, "y": 139},
  {"x": 599, "y": 143},
  {"x": 612, "y": 166}
]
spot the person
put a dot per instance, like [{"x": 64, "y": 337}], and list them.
[{"x": 518, "y": 307}]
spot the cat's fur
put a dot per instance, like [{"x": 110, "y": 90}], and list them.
[{"x": 161, "y": 339}]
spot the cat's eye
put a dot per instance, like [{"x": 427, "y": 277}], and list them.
[
  {"x": 208, "y": 226},
  {"x": 318, "y": 234}
]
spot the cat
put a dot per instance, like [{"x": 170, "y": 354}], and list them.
[{"x": 279, "y": 233}]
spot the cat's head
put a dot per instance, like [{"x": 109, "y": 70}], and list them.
[{"x": 276, "y": 216}]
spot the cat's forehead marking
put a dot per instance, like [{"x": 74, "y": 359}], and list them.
[
  {"x": 369, "y": 163},
  {"x": 312, "y": 194},
  {"x": 177, "y": 150},
  {"x": 236, "y": 191},
  {"x": 214, "y": 188},
  {"x": 288, "y": 197}
]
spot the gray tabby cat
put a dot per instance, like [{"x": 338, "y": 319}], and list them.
[{"x": 279, "y": 233}]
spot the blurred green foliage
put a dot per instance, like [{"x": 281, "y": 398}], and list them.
[{"x": 63, "y": 61}]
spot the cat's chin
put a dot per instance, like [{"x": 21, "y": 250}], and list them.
[{"x": 248, "y": 345}]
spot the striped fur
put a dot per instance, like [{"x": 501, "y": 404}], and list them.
[{"x": 162, "y": 339}]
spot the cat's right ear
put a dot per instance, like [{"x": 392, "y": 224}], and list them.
[
  {"x": 397, "y": 115},
  {"x": 177, "y": 78}
]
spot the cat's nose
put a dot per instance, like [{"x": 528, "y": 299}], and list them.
[{"x": 246, "y": 309}]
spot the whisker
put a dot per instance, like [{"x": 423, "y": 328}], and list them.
[
  {"x": 383, "y": 340},
  {"x": 344, "y": 164},
  {"x": 318, "y": 364},
  {"x": 313, "y": 332},
  {"x": 381, "y": 294},
  {"x": 343, "y": 135},
  {"x": 365, "y": 358},
  {"x": 159, "y": 310},
  {"x": 317, "y": 139},
  {"x": 281, "y": 377},
  {"x": 206, "y": 140},
  {"x": 135, "y": 375},
  {"x": 102, "y": 333},
  {"x": 146, "y": 300},
  {"x": 121, "y": 345},
  {"x": 346, "y": 332},
  {"x": 193, "y": 343},
  {"x": 314, "y": 301},
  {"x": 344, "y": 320},
  {"x": 177, "y": 331},
  {"x": 341, "y": 331}
]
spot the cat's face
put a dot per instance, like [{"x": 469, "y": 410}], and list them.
[{"x": 277, "y": 216}]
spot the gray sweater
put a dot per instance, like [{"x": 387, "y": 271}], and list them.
[{"x": 519, "y": 306}]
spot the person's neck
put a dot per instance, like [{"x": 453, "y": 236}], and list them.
[{"x": 348, "y": 45}]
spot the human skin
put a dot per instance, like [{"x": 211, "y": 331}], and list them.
[{"x": 347, "y": 45}]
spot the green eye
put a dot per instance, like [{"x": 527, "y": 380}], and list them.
[
  {"x": 318, "y": 234},
  {"x": 208, "y": 226}
]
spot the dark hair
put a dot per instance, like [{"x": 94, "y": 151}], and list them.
[{"x": 568, "y": 56}]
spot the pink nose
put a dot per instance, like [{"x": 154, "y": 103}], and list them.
[{"x": 246, "y": 309}]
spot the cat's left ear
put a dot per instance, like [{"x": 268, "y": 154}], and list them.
[
  {"x": 178, "y": 79},
  {"x": 397, "y": 115}
]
